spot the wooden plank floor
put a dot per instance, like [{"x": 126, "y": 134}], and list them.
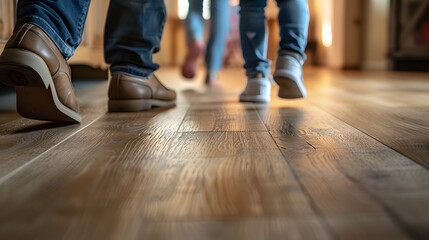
[{"x": 349, "y": 162}]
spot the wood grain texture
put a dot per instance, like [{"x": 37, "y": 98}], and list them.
[
  {"x": 23, "y": 139},
  {"x": 328, "y": 167},
  {"x": 222, "y": 117},
  {"x": 7, "y": 116},
  {"x": 251, "y": 228},
  {"x": 227, "y": 90},
  {"x": 224, "y": 188},
  {"x": 74, "y": 186},
  {"x": 394, "y": 111},
  {"x": 227, "y": 176},
  {"x": 330, "y": 156}
]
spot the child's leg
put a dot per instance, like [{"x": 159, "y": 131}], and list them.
[
  {"x": 253, "y": 37},
  {"x": 194, "y": 24},
  {"x": 219, "y": 24},
  {"x": 293, "y": 23}
]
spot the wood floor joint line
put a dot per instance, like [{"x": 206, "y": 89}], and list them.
[
  {"x": 318, "y": 214},
  {"x": 376, "y": 139},
  {"x": 405, "y": 228},
  {"x": 7, "y": 176},
  {"x": 223, "y": 131},
  {"x": 260, "y": 119},
  {"x": 163, "y": 158}
]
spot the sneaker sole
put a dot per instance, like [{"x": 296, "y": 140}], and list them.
[
  {"x": 36, "y": 97},
  {"x": 137, "y": 105},
  {"x": 289, "y": 88},
  {"x": 255, "y": 99}
]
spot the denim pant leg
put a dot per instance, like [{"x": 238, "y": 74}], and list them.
[
  {"x": 133, "y": 34},
  {"x": 194, "y": 22},
  {"x": 62, "y": 20},
  {"x": 293, "y": 22},
  {"x": 219, "y": 24},
  {"x": 253, "y": 36}
]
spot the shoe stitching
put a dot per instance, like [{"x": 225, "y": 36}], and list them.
[{"x": 22, "y": 36}]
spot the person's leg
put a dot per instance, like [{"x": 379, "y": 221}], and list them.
[
  {"x": 194, "y": 25},
  {"x": 63, "y": 21},
  {"x": 34, "y": 59},
  {"x": 293, "y": 21},
  {"x": 132, "y": 35},
  {"x": 194, "y": 22},
  {"x": 219, "y": 24},
  {"x": 253, "y": 36}
]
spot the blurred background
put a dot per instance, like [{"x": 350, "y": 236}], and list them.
[{"x": 343, "y": 34}]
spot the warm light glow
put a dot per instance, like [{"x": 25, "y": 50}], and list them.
[
  {"x": 206, "y": 9},
  {"x": 326, "y": 33},
  {"x": 327, "y": 6},
  {"x": 234, "y": 2},
  {"x": 182, "y": 8}
]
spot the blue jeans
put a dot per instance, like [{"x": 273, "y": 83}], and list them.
[
  {"x": 219, "y": 24},
  {"x": 293, "y": 22},
  {"x": 132, "y": 34}
]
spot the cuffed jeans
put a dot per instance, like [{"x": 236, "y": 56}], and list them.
[
  {"x": 219, "y": 24},
  {"x": 293, "y": 21},
  {"x": 132, "y": 34}
]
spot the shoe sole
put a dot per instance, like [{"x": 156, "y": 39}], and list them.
[
  {"x": 289, "y": 88},
  {"x": 137, "y": 105},
  {"x": 36, "y": 97},
  {"x": 255, "y": 99}
]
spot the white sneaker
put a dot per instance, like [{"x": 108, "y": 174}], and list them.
[
  {"x": 258, "y": 89},
  {"x": 288, "y": 75}
]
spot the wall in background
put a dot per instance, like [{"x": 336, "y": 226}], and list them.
[
  {"x": 359, "y": 31},
  {"x": 375, "y": 34},
  {"x": 336, "y": 27},
  {"x": 7, "y": 19}
]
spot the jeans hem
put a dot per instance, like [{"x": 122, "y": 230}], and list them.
[
  {"x": 130, "y": 70},
  {"x": 254, "y": 73}
]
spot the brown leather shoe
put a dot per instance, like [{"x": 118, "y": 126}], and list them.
[
  {"x": 32, "y": 64},
  {"x": 135, "y": 94}
]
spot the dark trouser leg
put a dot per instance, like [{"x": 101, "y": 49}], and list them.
[{"x": 133, "y": 34}]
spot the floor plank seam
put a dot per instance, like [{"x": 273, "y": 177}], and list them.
[
  {"x": 15, "y": 171},
  {"x": 224, "y": 219},
  {"x": 164, "y": 157},
  {"x": 260, "y": 119},
  {"x": 367, "y": 134},
  {"x": 405, "y": 228},
  {"x": 319, "y": 216},
  {"x": 223, "y": 131},
  {"x": 310, "y": 145}
]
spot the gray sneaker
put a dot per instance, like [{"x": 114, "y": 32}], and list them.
[
  {"x": 288, "y": 75},
  {"x": 258, "y": 89}
]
